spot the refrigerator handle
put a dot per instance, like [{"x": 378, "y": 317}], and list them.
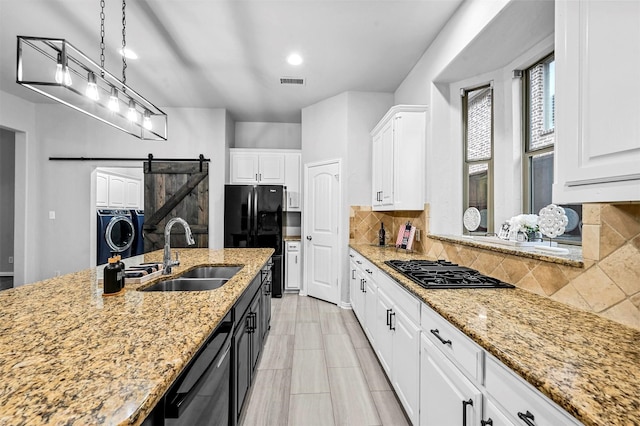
[
  {"x": 250, "y": 214},
  {"x": 255, "y": 217}
]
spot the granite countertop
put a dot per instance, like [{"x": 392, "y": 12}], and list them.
[
  {"x": 69, "y": 355},
  {"x": 573, "y": 258},
  {"x": 292, "y": 238},
  {"x": 587, "y": 364}
]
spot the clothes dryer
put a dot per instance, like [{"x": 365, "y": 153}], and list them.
[
  {"x": 137, "y": 217},
  {"x": 115, "y": 234}
]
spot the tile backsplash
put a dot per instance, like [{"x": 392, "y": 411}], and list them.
[{"x": 609, "y": 283}]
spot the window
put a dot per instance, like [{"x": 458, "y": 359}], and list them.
[
  {"x": 477, "y": 116},
  {"x": 539, "y": 125}
]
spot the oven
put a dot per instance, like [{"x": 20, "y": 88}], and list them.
[{"x": 202, "y": 393}]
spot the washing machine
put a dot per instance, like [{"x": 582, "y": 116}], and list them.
[
  {"x": 115, "y": 234},
  {"x": 137, "y": 217}
]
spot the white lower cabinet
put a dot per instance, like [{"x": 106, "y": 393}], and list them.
[
  {"x": 447, "y": 397},
  {"x": 440, "y": 375},
  {"x": 406, "y": 363},
  {"x": 521, "y": 401},
  {"x": 493, "y": 416},
  {"x": 292, "y": 265}
]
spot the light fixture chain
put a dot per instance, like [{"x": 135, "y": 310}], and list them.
[
  {"x": 124, "y": 45},
  {"x": 102, "y": 37}
]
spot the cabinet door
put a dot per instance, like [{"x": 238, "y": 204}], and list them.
[
  {"x": 102, "y": 190},
  {"x": 370, "y": 303},
  {"x": 406, "y": 363},
  {"x": 242, "y": 355},
  {"x": 293, "y": 266},
  {"x": 244, "y": 168},
  {"x": 446, "y": 396},
  {"x": 271, "y": 169},
  {"x": 384, "y": 334},
  {"x": 377, "y": 166},
  {"x": 256, "y": 330},
  {"x": 292, "y": 165},
  {"x": 359, "y": 299},
  {"x": 597, "y": 127},
  {"x": 387, "y": 162},
  {"x": 116, "y": 192},
  {"x": 353, "y": 281},
  {"x": 132, "y": 200}
]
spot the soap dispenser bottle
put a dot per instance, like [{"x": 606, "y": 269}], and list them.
[{"x": 121, "y": 276}]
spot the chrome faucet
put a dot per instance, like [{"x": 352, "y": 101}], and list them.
[{"x": 167, "y": 263}]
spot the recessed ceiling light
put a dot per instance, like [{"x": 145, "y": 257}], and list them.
[
  {"x": 128, "y": 53},
  {"x": 294, "y": 59}
]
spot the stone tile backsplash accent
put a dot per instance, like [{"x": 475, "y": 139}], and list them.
[{"x": 609, "y": 283}]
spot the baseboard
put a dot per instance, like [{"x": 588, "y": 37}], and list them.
[{"x": 345, "y": 305}]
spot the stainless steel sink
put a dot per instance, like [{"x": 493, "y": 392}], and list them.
[
  {"x": 187, "y": 284},
  {"x": 212, "y": 272}
]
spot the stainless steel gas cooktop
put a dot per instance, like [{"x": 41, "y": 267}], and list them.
[{"x": 444, "y": 274}]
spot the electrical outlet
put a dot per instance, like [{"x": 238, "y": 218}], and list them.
[
  {"x": 52, "y": 214},
  {"x": 56, "y": 273},
  {"x": 10, "y": 259},
  {"x": 417, "y": 234}
]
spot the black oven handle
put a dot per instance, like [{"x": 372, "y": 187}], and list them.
[{"x": 177, "y": 402}]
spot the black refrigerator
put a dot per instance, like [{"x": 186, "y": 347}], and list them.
[{"x": 253, "y": 218}]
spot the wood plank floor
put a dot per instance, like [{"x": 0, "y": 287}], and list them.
[{"x": 318, "y": 368}]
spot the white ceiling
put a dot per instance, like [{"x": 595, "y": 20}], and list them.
[{"x": 231, "y": 53}]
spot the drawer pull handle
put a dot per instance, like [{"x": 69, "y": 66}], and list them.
[
  {"x": 353, "y": 274},
  {"x": 350, "y": 255},
  {"x": 464, "y": 410},
  {"x": 436, "y": 333},
  {"x": 369, "y": 271},
  {"x": 391, "y": 326},
  {"x": 388, "y": 318},
  {"x": 361, "y": 284},
  {"x": 364, "y": 287},
  {"x": 488, "y": 422},
  {"x": 358, "y": 262},
  {"x": 527, "y": 418}
]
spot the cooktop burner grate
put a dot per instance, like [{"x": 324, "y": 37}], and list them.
[{"x": 444, "y": 274}]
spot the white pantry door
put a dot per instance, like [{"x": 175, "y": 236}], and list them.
[{"x": 322, "y": 196}]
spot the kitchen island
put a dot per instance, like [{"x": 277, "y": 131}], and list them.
[
  {"x": 588, "y": 365},
  {"x": 69, "y": 355}
]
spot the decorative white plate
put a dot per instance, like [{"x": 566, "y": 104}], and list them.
[
  {"x": 573, "y": 218},
  {"x": 552, "y": 221},
  {"x": 471, "y": 219}
]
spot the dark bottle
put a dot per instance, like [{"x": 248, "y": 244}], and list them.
[
  {"x": 381, "y": 235},
  {"x": 111, "y": 277}
]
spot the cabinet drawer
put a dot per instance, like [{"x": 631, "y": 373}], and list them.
[
  {"x": 518, "y": 397},
  {"x": 293, "y": 246},
  {"x": 453, "y": 343},
  {"x": 401, "y": 298}
]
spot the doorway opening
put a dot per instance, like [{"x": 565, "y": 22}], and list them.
[{"x": 7, "y": 206}]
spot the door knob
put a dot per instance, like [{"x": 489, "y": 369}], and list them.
[{"x": 309, "y": 237}]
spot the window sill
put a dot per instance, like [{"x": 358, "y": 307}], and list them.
[{"x": 573, "y": 258}]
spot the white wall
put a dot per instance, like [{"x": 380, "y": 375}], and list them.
[
  {"x": 268, "y": 135},
  {"x": 430, "y": 83},
  {"x": 67, "y": 187},
  {"x": 7, "y": 205},
  {"x": 338, "y": 128}
]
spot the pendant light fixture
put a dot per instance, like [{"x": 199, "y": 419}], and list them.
[{"x": 55, "y": 68}]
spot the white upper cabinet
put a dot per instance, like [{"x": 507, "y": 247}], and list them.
[
  {"x": 118, "y": 192},
  {"x": 257, "y": 167},
  {"x": 398, "y": 145},
  {"x": 597, "y": 110},
  {"x": 102, "y": 192},
  {"x": 292, "y": 165}
]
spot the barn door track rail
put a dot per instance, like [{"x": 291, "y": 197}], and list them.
[{"x": 149, "y": 159}]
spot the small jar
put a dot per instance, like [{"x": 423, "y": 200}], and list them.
[{"x": 111, "y": 277}]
